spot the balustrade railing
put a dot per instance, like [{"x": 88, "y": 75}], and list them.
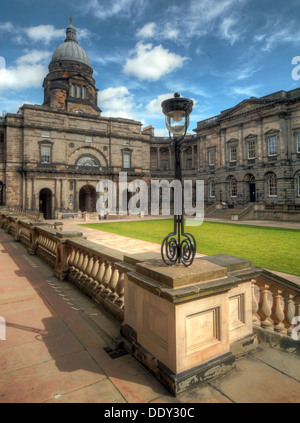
[
  {"x": 98, "y": 272},
  {"x": 276, "y": 302}
]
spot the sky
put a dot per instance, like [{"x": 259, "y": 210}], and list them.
[{"x": 216, "y": 52}]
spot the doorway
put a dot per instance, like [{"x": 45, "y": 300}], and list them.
[
  {"x": 87, "y": 199},
  {"x": 45, "y": 203}
]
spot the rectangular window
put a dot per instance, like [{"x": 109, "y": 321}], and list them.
[
  {"x": 46, "y": 134},
  {"x": 233, "y": 188},
  {"x": 272, "y": 146},
  {"x": 73, "y": 90},
  {"x": 189, "y": 164},
  {"x": 83, "y": 92},
  {"x": 45, "y": 154},
  {"x": 211, "y": 189},
  {"x": 232, "y": 153},
  {"x": 126, "y": 160},
  {"x": 88, "y": 139},
  {"x": 298, "y": 143},
  {"x": 78, "y": 91},
  {"x": 211, "y": 157},
  {"x": 125, "y": 142},
  {"x": 165, "y": 165},
  {"x": 251, "y": 150},
  {"x": 299, "y": 186},
  {"x": 71, "y": 200}
]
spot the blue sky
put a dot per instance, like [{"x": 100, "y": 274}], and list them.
[{"x": 217, "y": 52}]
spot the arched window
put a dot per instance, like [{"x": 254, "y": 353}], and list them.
[
  {"x": 272, "y": 185},
  {"x": 87, "y": 161},
  {"x": 233, "y": 187},
  {"x": 211, "y": 189}
]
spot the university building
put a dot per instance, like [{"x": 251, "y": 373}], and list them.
[{"x": 53, "y": 155}]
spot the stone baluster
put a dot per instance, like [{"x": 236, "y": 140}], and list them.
[
  {"x": 107, "y": 275},
  {"x": 288, "y": 312},
  {"x": 277, "y": 314},
  {"x": 264, "y": 310},
  {"x": 255, "y": 319},
  {"x": 100, "y": 276},
  {"x": 120, "y": 288},
  {"x": 113, "y": 283}
]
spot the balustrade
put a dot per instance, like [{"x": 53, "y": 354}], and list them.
[{"x": 276, "y": 302}]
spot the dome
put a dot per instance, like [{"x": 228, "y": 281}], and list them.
[{"x": 70, "y": 49}]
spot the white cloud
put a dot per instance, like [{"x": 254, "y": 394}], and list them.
[
  {"x": 228, "y": 29},
  {"x": 250, "y": 91},
  {"x": 151, "y": 63},
  {"x": 154, "y": 107},
  {"x": 106, "y": 9},
  {"x": 117, "y": 102},
  {"x": 147, "y": 31},
  {"x": 44, "y": 33},
  {"x": 29, "y": 71}
]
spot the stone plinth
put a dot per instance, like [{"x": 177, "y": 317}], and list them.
[{"x": 182, "y": 321}]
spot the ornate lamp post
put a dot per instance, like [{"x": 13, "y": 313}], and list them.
[{"x": 178, "y": 246}]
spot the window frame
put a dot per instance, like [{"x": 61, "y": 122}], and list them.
[
  {"x": 211, "y": 156},
  {"x": 272, "y": 177},
  {"x": 211, "y": 187},
  {"x": 233, "y": 149},
  {"x": 233, "y": 180},
  {"x": 272, "y": 138}
]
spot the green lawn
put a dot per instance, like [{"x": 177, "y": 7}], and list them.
[{"x": 271, "y": 248}]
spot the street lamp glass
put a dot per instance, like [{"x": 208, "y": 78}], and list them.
[{"x": 177, "y": 111}]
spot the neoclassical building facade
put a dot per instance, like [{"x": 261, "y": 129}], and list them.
[{"x": 53, "y": 155}]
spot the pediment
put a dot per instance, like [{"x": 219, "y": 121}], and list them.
[{"x": 245, "y": 106}]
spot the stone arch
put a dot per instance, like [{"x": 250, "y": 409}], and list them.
[
  {"x": 45, "y": 203},
  {"x": 87, "y": 199},
  {"x": 88, "y": 152}
]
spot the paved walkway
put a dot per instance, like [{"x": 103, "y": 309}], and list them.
[{"x": 54, "y": 349}]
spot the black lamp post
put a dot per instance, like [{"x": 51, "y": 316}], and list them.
[{"x": 178, "y": 246}]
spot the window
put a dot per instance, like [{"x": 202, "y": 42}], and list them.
[
  {"x": 71, "y": 200},
  {"x": 88, "y": 139},
  {"x": 45, "y": 154},
  {"x": 78, "y": 91},
  {"x": 232, "y": 153},
  {"x": 233, "y": 188},
  {"x": 211, "y": 189},
  {"x": 272, "y": 185},
  {"x": 298, "y": 186},
  {"x": 126, "y": 160},
  {"x": 272, "y": 146},
  {"x": 298, "y": 143},
  {"x": 189, "y": 164},
  {"x": 125, "y": 142},
  {"x": 46, "y": 134},
  {"x": 211, "y": 157},
  {"x": 87, "y": 161},
  {"x": 251, "y": 150},
  {"x": 165, "y": 164}
]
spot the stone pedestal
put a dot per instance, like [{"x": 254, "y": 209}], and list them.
[{"x": 181, "y": 322}]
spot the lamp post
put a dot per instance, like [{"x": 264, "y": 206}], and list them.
[{"x": 178, "y": 246}]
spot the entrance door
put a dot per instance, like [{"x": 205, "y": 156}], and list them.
[
  {"x": 252, "y": 192},
  {"x": 45, "y": 203},
  {"x": 87, "y": 199}
]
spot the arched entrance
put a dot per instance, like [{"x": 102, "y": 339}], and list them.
[
  {"x": 87, "y": 199},
  {"x": 45, "y": 203},
  {"x": 252, "y": 188}
]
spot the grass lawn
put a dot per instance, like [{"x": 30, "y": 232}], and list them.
[{"x": 271, "y": 248}]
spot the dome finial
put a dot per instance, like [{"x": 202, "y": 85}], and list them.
[{"x": 71, "y": 32}]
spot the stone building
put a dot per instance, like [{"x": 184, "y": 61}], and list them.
[
  {"x": 249, "y": 153},
  {"x": 53, "y": 155}
]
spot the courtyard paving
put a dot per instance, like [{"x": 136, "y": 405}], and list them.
[{"x": 54, "y": 346}]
